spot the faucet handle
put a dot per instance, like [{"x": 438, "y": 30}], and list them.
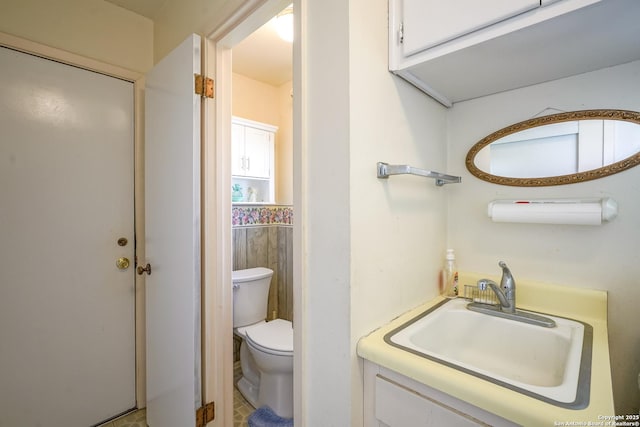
[{"x": 507, "y": 281}]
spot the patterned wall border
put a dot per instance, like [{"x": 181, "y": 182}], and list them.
[{"x": 261, "y": 215}]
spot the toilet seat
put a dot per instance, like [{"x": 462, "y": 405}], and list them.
[
  {"x": 274, "y": 337},
  {"x": 242, "y": 330}
]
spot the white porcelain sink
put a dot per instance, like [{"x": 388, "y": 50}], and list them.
[{"x": 551, "y": 364}]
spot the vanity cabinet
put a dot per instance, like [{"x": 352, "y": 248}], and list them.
[
  {"x": 252, "y": 159},
  {"x": 393, "y": 400},
  {"x": 463, "y": 49}
]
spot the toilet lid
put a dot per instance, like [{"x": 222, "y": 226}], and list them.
[{"x": 275, "y": 335}]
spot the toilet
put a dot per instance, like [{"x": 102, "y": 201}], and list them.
[{"x": 266, "y": 351}]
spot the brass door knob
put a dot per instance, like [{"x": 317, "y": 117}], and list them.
[
  {"x": 147, "y": 268},
  {"x": 122, "y": 263}
]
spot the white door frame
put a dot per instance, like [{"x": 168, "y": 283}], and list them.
[
  {"x": 217, "y": 295},
  {"x": 137, "y": 79}
]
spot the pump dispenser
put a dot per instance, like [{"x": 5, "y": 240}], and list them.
[{"x": 450, "y": 276}]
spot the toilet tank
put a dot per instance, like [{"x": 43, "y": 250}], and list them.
[{"x": 250, "y": 295}]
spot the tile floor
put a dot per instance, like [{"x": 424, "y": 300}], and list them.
[
  {"x": 241, "y": 409},
  {"x": 134, "y": 419}
]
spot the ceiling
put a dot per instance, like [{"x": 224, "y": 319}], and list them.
[
  {"x": 147, "y": 8},
  {"x": 262, "y": 56}
]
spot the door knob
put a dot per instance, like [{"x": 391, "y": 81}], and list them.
[
  {"x": 146, "y": 268},
  {"x": 122, "y": 263}
]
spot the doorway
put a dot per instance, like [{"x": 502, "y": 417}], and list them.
[
  {"x": 217, "y": 201},
  {"x": 262, "y": 93},
  {"x": 67, "y": 315}
]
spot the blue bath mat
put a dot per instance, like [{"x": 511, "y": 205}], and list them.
[{"x": 265, "y": 417}]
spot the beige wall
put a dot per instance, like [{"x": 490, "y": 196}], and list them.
[
  {"x": 91, "y": 28},
  {"x": 264, "y": 103},
  {"x": 324, "y": 311},
  {"x": 598, "y": 257},
  {"x": 255, "y": 100},
  {"x": 373, "y": 247},
  {"x": 284, "y": 148}
]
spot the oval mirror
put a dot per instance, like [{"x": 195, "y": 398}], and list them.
[{"x": 558, "y": 149}]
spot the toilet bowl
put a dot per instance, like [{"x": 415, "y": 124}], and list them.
[
  {"x": 249, "y": 383},
  {"x": 271, "y": 347},
  {"x": 266, "y": 350}
]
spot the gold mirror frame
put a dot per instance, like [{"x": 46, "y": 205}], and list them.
[{"x": 613, "y": 168}]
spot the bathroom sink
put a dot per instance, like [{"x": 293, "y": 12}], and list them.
[{"x": 549, "y": 364}]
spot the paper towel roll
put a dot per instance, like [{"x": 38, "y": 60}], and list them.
[{"x": 549, "y": 211}]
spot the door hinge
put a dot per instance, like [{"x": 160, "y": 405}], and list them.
[
  {"x": 401, "y": 33},
  {"x": 205, "y": 414},
  {"x": 203, "y": 86}
]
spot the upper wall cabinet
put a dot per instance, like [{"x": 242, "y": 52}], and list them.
[
  {"x": 252, "y": 148},
  {"x": 252, "y": 161},
  {"x": 463, "y": 49}
]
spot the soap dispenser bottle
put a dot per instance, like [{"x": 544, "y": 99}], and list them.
[{"x": 450, "y": 276}]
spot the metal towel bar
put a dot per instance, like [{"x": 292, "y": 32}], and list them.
[{"x": 385, "y": 170}]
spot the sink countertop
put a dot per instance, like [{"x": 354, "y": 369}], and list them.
[{"x": 589, "y": 306}]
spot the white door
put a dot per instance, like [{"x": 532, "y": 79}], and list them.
[
  {"x": 67, "y": 336},
  {"x": 172, "y": 210}
]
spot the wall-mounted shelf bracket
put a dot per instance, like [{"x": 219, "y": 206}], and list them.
[{"x": 385, "y": 170}]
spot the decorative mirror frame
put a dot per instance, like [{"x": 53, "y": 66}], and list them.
[{"x": 629, "y": 162}]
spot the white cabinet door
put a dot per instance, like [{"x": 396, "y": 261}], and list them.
[
  {"x": 394, "y": 400},
  {"x": 237, "y": 150},
  {"x": 397, "y": 406},
  {"x": 257, "y": 145},
  {"x": 427, "y": 23}
]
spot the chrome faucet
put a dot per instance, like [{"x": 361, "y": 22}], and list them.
[{"x": 506, "y": 292}]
